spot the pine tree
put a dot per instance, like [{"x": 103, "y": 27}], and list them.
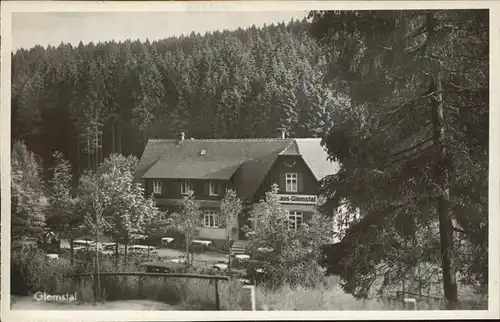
[{"x": 398, "y": 141}]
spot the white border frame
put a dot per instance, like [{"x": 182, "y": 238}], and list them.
[{"x": 8, "y": 7}]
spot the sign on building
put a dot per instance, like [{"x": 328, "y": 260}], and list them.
[{"x": 298, "y": 199}]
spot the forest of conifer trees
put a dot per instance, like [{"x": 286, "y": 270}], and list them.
[{"x": 92, "y": 99}]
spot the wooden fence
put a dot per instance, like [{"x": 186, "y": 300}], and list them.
[
  {"x": 214, "y": 278},
  {"x": 410, "y": 300}
]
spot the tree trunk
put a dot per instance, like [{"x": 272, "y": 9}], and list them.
[
  {"x": 102, "y": 145},
  {"x": 78, "y": 161},
  {"x": 89, "y": 165},
  {"x": 443, "y": 207},
  {"x": 116, "y": 254},
  {"x": 119, "y": 134},
  {"x": 229, "y": 229},
  {"x": 148, "y": 243},
  {"x": 113, "y": 136},
  {"x": 71, "y": 250},
  {"x": 97, "y": 264},
  {"x": 126, "y": 248},
  {"x": 96, "y": 147},
  {"x": 187, "y": 252}
]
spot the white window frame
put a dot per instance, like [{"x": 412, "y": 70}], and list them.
[
  {"x": 292, "y": 219},
  {"x": 212, "y": 188},
  {"x": 212, "y": 217},
  {"x": 157, "y": 187},
  {"x": 185, "y": 187},
  {"x": 292, "y": 178}
]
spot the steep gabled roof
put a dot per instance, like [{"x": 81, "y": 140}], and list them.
[
  {"x": 246, "y": 161},
  {"x": 152, "y": 152},
  {"x": 193, "y": 169},
  {"x": 292, "y": 149},
  {"x": 220, "y": 160},
  {"x": 252, "y": 173}
]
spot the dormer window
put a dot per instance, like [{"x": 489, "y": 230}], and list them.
[
  {"x": 156, "y": 187},
  {"x": 185, "y": 187},
  {"x": 203, "y": 152}
]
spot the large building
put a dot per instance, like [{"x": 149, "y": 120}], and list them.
[{"x": 170, "y": 168}]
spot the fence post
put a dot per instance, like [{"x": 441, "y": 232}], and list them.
[
  {"x": 249, "y": 297},
  {"x": 94, "y": 287},
  {"x": 217, "y": 301},
  {"x": 411, "y": 301}
]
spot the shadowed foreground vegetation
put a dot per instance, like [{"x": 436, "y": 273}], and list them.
[{"x": 41, "y": 274}]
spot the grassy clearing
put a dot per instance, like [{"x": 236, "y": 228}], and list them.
[
  {"x": 327, "y": 296},
  {"x": 330, "y": 296}
]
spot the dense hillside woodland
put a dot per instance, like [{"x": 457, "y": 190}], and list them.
[
  {"x": 94, "y": 99},
  {"x": 400, "y": 98}
]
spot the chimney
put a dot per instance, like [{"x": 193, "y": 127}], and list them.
[{"x": 283, "y": 132}]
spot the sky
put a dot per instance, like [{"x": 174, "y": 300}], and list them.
[{"x": 52, "y": 28}]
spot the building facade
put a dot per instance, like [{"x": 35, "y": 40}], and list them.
[{"x": 170, "y": 168}]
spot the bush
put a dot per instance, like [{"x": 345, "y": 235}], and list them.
[
  {"x": 286, "y": 255},
  {"x": 38, "y": 273},
  {"x": 326, "y": 295},
  {"x": 32, "y": 271}
]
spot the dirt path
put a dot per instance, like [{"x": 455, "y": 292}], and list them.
[{"x": 28, "y": 303}]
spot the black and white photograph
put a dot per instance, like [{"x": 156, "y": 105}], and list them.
[{"x": 229, "y": 157}]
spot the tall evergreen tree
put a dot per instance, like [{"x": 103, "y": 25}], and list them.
[{"x": 406, "y": 73}]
